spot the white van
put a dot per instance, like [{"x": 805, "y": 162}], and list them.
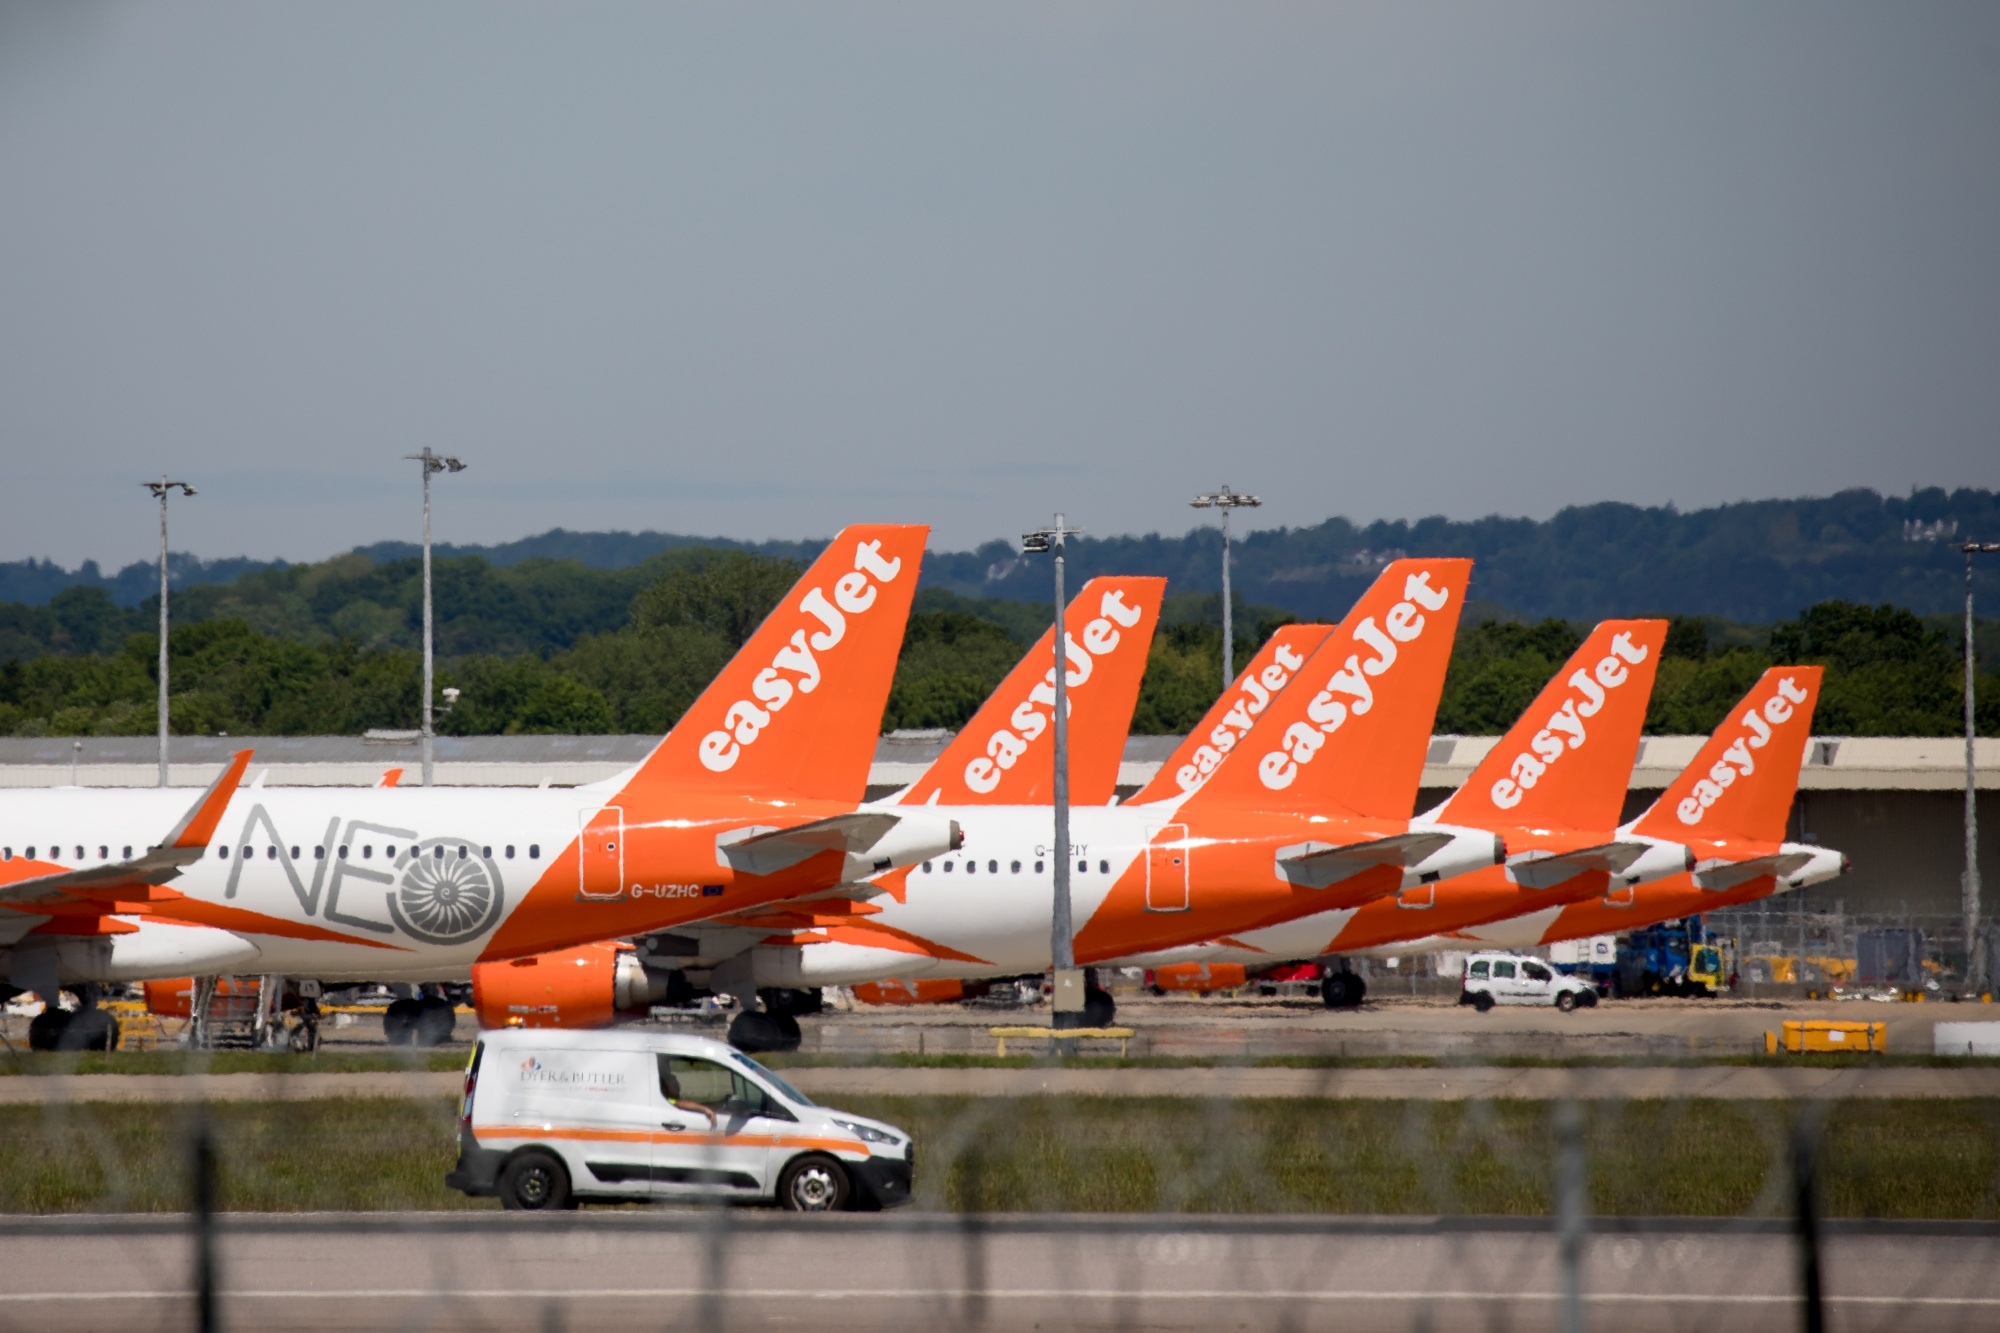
[
  {"x": 1517, "y": 978},
  {"x": 551, "y": 1117}
]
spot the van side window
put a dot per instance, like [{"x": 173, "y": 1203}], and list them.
[
  {"x": 1534, "y": 972},
  {"x": 1502, "y": 968},
  {"x": 1478, "y": 969},
  {"x": 700, "y": 1081}
]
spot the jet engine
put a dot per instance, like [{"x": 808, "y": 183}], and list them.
[{"x": 587, "y": 987}]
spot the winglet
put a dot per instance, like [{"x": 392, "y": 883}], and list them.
[
  {"x": 1569, "y": 759},
  {"x": 197, "y": 826},
  {"x": 1006, "y": 754},
  {"x": 390, "y": 777}
]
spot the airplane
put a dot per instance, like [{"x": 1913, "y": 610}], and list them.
[
  {"x": 1731, "y": 804},
  {"x": 755, "y": 795},
  {"x": 1553, "y": 788},
  {"x": 1004, "y": 756},
  {"x": 1304, "y": 817}
]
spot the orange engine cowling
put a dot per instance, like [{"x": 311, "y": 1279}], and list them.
[
  {"x": 910, "y": 992},
  {"x": 586, "y": 987},
  {"x": 235, "y": 998},
  {"x": 1200, "y": 977}
]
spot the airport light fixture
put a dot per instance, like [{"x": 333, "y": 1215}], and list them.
[
  {"x": 1226, "y": 500},
  {"x": 1975, "y": 962},
  {"x": 1069, "y": 988},
  {"x": 161, "y": 489},
  {"x": 429, "y": 463}
]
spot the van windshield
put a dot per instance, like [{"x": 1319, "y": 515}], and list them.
[{"x": 792, "y": 1094}]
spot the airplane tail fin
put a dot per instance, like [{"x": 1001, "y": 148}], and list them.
[
  {"x": 1006, "y": 754},
  {"x": 1569, "y": 759},
  {"x": 1351, "y": 732},
  {"x": 1232, "y": 715},
  {"x": 1742, "y": 782},
  {"x": 799, "y": 708}
]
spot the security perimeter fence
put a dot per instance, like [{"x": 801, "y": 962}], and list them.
[{"x": 1719, "y": 1211}]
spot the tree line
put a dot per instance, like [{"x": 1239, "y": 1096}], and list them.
[{"x": 553, "y": 647}]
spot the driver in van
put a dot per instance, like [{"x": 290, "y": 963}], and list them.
[{"x": 670, "y": 1088}]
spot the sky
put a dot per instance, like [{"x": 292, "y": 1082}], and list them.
[{"x": 757, "y": 270}]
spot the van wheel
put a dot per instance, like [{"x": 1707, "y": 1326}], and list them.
[
  {"x": 535, "y": 1181},
  {"x": 1482, "y": 1001},
  {"x": 814, "y": 1183},
  {"x": 1566, "y": 1001}
]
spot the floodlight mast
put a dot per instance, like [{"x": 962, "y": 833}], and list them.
[
  {"x": 1226, "y": 500},
  {"x": 161, "y": 489},
  {"x": 1975, "y": 961},
  {"x": 429, "y": 463},
  {"x": 1069, "y": 988}
]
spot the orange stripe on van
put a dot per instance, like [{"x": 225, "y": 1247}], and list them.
[{"x": 579, "y": 1134}]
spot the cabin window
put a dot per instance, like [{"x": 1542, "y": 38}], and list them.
[
  {"x": 31, "y": 853},
  {"x": 79, "y": 853},
  {"x": 1083, "y": 867},
  {"x": 295, "y": 853},
  {"x": 222, "y": 852},
  {"x": 437, "y": 853},
  {"x": 927, "y": 867},
  {"x": 971, "y": 866},
  {"x": 103, "y": 852},
  {"x": 510, "y": 852},
  {"x": 389, "y": 851},
  {"x": 319, "y": 853},
  {"x": 128, "y": 853},
  {"x": 486, "y": 852},
  {"x": 947, "y": 867},
  {"x": 534, "y": 851},
  {"x": 7, "y": 854},
  {"x": 270, "y": 853},
  {"x": 343, "y": 853},
  {"x": 1017, "y": 867},
  {"x": 367, "y": 851},
  {"x": 992, "y": 867},
  {"x": 1038, "y": 867},
  {"x": 1103, "y": 867}
]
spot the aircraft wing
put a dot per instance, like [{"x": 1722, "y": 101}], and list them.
[
  {"x": 766, "y": 851},
  {"x": 1318, "y": 865},
  {"x": 1545, "y": 872},
  {"x": 183, "y": 846}
]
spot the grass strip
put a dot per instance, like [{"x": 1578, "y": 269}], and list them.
[
  {"x": 1929, "y": 1159},
  {"x": 387, "y": 1059}
]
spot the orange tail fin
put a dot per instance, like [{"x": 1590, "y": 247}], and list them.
[
  {"x": 1006, "y": 754},
  {"x": 1352, "y": 730},
  {"x": 1232, "y": 716},
  {"x": 799, "y": 708},
  {"x": 1569, "y": 759},
  {"x": 1742, "y": 783}
]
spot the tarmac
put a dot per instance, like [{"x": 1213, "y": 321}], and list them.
[{"x": 730, "y": 1269}]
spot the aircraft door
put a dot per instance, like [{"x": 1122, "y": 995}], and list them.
[
  {"x": 1167, "y": 857},
  {"x": 600, "y": 864}
]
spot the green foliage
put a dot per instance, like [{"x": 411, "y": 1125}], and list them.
[
  {"x": 726, "y": 593},
  {"x": 1497, "y": 668},
  {"x": 951, "y": 662}
]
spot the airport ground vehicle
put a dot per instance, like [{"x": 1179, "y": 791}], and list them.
[
  {"x": 1672, "y": 958},
  {"x": 1512, "y": 978},
  {"x": 551, "y": 1117}
]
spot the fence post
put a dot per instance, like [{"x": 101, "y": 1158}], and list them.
[
  {"x": 1812, "y": 1314},
  {"x": 207, "y": 1317},
  {"x": 1571, "y": 1210}
]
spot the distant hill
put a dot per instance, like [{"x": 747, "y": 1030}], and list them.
[{"x": 1757, "y": 561}]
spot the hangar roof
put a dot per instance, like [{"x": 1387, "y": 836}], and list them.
[{"x": 1833, "y": 763}]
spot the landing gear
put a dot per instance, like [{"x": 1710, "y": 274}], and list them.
[
  {"x": 754, "y": 1031},
  {"x": 425, "y": 1021},
  {"x": 85, "y": 1029},
  {"x": 1099, "y": 1009},
  {"x": 1342, "y": 990}
]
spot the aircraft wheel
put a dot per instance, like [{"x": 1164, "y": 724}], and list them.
[
  {"x": 1099, "y": 1009},
  {"x": 399, "y": 1021},
  {"x": 434, "y": 1023},
  {"x": 753, "y": 1032},
  {"x": 1341, "y": 990}
]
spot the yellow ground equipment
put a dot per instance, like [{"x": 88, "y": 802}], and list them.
[{"x": 1816, "y": 1036}]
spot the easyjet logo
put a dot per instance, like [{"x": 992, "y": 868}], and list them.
[
  {"x": 795, "y": 669},
  {"x": 1252, "y": 698},
  {"x": 1030, "y": 717},
  {"x": 1349, "y": 692},
  {"x": 1565, "y": 731},
  {"x": 1736, "y": 761}
]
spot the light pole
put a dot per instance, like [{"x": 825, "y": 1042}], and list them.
[
  {"x": 161, "y": 489},
  {"x": 1226, "y": 500},
  {"x": 1975, "y": 966},
  {"x": 1068, "y": 1007},
  {"x": 429, "y": 463}
]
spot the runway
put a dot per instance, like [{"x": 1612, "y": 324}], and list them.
[{"x": 736, "y": 1270}]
